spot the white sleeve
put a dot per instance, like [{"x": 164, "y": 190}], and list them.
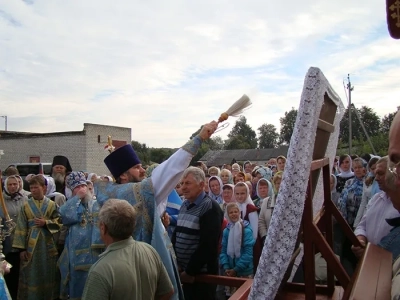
[
  {"x": 253, "y": 219},
  {"x": 361, "y": 228},
  {"x": 167, "y": 175}
]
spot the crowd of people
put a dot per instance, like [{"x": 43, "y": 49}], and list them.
[{"x": 147, "y": 232}]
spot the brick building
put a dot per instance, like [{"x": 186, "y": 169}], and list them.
[{"x": 84, "y": 149}]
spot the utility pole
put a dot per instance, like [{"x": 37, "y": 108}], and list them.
[
  {"x": 5, "y": 118},
  {"x": 350, "y": 88}
]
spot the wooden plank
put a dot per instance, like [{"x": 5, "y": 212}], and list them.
[
  {"x": 309, "y": 251},
  {"x": 319, "y": 163},
  {"x": 300, "y": 288},
  {"x": 291, "y": 295},
  {"x": 373, "y": 275},
  {"x": 385, "y": 275},
  {"x": 343, "y": 224},
  {"x": 331, "y": 259},
  {"x": 221, "y": 280},
  {"x": 243, "y": 292},
  {"x": 327, "y": 114},
  {"x": 326, "y": 177},
  {"x": 319, "y": 216},
  {"x": 325, "y": 126}
]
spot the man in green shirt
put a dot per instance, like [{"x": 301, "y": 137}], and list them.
[{"x": 127, "y": 269}]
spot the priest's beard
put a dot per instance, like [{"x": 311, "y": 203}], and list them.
[
  {"x": 58, "y": 178},
  {"x": 87, "y": 197}
]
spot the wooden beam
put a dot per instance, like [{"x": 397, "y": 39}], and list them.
[
  {"x": 300, "y": 288},
  {"x": 319, "y": 216},
  {"x": 309, "y": 251},
  {"x": 221, "y": 280},
  {"x": 373, "y": 276},
  {"x": 243, "y": 292},
  {"x": 325, "y": 126},
  {"x": 326, "y": 177},
  {"x": 319, "y": 163},
  {"x": 330, "y": 257},
  {"x": 343, "y": 224}
]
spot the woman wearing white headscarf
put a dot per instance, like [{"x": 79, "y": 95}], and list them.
[
  {"x": 249, "y": 212},
  {"x": 236, "y": 255},
  {"x": 346, "y": 173},
  {"x": 267, "y": 207},
  {"x": 13, "y": 200},
  {"x": 92, "y": 177},
  {"x": 21, "y": 187}
]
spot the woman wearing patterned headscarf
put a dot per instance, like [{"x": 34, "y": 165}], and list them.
[
  {"x": 258, "y": 173},
  {"x": 348, "y": 205},
  {"x": 215, "y": 189},
  {"x": 370, "y": 188}
]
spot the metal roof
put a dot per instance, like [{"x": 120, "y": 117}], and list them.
[{"x": 220, "y": 157}]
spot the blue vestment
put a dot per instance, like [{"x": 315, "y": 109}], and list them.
[
  {"x": 82, "y": 245},
  {"x": 4, "y": 294},
  {"x": 150, "y": 202}
]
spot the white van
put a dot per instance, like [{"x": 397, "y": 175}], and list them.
[{"x": 32, "y": 168}]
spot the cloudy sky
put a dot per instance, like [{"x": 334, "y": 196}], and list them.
[{"x": 164, "y": 68}]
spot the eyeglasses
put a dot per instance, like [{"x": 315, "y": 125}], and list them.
[{"x": 394, "y": 169}]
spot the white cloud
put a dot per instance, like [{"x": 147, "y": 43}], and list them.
[{"x": 165, "y": 67}]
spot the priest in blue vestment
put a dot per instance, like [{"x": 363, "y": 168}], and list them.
[{"x": 149, "y": 196}]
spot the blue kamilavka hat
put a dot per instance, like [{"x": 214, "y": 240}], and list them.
[{"x": 121, "y": 160}]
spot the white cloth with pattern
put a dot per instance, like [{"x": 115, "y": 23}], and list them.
[{"x": 286, "y": 219}]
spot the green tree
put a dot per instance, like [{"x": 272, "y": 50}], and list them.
[
  {"x": 216, "y": 143},
  {"x": 287, "y": 126},
  {"x": 268, "y": 136},
  {"x": 237, "y": 142},
  {"x": 142, "y": 151},
  {"x": 242, "y": 132},
  {"x": 159, "y": 155},
  {"x": 369, "y": 118},
  {"x": 380, "y": 142},
  {"x": 387, "y": 121}
]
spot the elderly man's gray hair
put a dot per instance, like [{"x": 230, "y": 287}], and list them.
[
  {"x": 197, "y": 173},
  {"x": 119, "y": 217}
]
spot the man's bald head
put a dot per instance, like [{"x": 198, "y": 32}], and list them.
[{"x": 394, "y": 156}]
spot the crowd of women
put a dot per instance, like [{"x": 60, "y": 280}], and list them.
[{"x": 247, "y": 194}]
